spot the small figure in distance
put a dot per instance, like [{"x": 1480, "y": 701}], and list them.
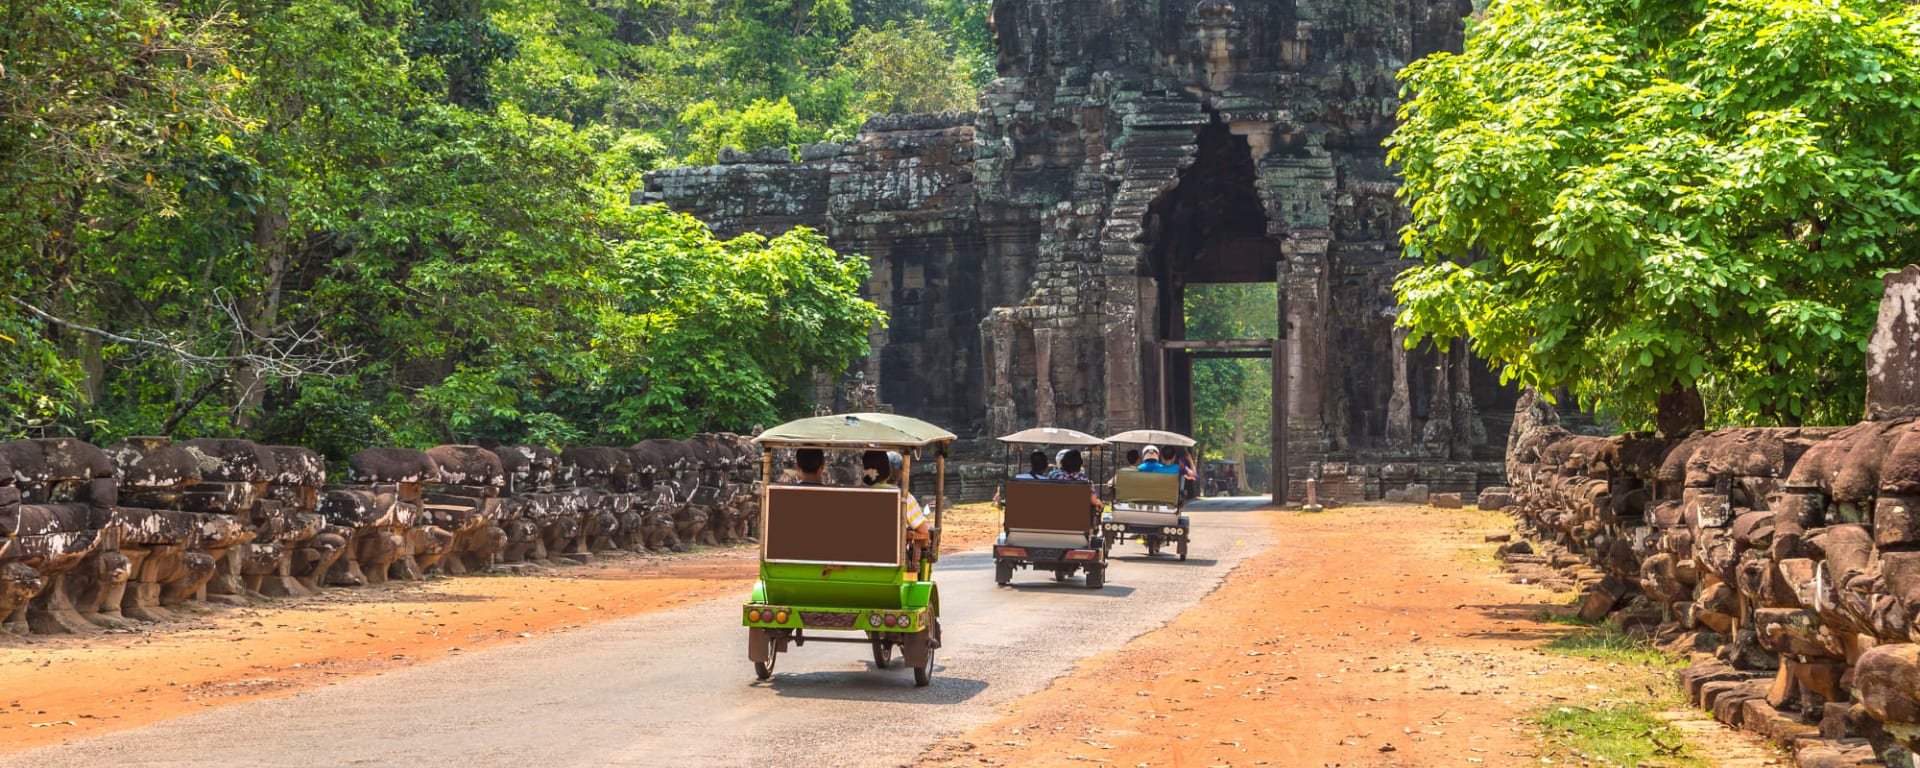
[
  {"x": 812, "y": 463},
  {"x": 881, "y": 469}
]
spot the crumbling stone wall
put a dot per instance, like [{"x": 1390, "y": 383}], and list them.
[
  {"x": 1791, "y": 555},
  {"x": 1033, "y": 254}
]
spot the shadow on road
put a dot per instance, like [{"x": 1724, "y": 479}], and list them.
[
  {"x": 893, "y": 684},
  {"x": 1228, "y": 504},
  {"x": 1072, "y": 587},
  {"x": 1159, "y": 560},
  {"x": 1525, "y": 619}
]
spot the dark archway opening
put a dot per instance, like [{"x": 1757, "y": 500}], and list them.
[{"x": 1209, "y": 228}]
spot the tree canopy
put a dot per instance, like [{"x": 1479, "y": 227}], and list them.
[
  {"x": 1638, "y": 200},
  {"x": 348, "y": 222}
]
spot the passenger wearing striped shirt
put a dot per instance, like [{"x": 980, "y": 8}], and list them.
[{"x": 881, "y": 469}]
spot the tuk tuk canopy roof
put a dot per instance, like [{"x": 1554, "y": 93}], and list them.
[
  {"x": 1152, "y": 437},
  {"x": 1052, "y": 436},
  {"x": 855, "y": 430}
]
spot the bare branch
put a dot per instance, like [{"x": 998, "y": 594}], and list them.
[{"x": 288, "y": 356}]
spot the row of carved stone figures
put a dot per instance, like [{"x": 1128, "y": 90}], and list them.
[
  {"x": 93, "y": 538},
  {"x": 1795, "y": 550}
]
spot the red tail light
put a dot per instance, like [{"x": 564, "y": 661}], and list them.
[
  {"x": 1009, "y": 552},
  {"x": 1083, "y": 554}
]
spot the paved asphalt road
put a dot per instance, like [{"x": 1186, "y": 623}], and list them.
[{"x": 674, "y": 688}]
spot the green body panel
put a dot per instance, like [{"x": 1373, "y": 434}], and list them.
[
  {"x": 858, "y": 590},
  {"x": 856, "y": 586},
  {"x": 919, "y": 594}
]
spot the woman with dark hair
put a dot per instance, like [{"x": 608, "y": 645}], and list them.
[{"x": 1071, "y": 466}]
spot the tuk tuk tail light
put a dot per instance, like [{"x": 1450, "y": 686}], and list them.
[
  {"x": 753, "y": 615},
  {"x": 780, "y": 618},
  {"x": 873, "y": 619},
  {"x": 1083, "y": 554},
  {"x": 1009, "y": 552}
]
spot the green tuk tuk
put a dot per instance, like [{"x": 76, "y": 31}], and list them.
[
  {"x": 1050, "y": 524},
  {"x": 1148, "y": 505},
  {"x": 837, "y": 559}
]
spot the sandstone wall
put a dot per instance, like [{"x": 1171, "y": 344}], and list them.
[
  {"x": 1033, "y": 254},
  {"x": 1790, "y": 555},
  {"x": 93, "y": 539}
]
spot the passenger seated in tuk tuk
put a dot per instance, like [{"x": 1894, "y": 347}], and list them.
[
  {"x": 1036, "y": 470},
  {"x": 1036, "y": 467},
  {"x": 881, "y": 469},
  {"x": 1072, "y": 467},
  {"x": 812, "y": 466},
  {"x": 1150, "y": 462}
]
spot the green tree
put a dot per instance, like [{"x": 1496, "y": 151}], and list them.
[
  {"x": 760, "y": 124},
  {"x": 1644, "y": 201},
  {"x": 725, "y": 327},
  {"x": 1233, "y": 397},
  {"x": 111, "y": 112},
  {"x": 349, "y": 222},
  {"x": 907, "y": 67}
]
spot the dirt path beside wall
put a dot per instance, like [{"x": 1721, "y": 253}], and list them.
[
  {"x": 53, "y": 689},
  {"x": 1367, "y": 636}
]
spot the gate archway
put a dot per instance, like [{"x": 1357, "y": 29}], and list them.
[{"x": 1211, "y": 227}]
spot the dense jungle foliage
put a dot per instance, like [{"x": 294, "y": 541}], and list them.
[
  {"x": 348, "y": 222},
  {"x": 1678, "y": 209}
]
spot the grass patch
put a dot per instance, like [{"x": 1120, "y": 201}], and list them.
[
  {"x": 1615, "y": 733},
  {"x": 1606, "y": 643},
  {"x": 1551, "y": 616}
]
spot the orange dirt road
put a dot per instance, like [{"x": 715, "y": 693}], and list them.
[
  {"x": 54, "y": 689},
  {"x": 1366, "y": 636}
]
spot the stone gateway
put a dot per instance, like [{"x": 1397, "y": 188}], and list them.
[{"x": 1034, "y": 255}]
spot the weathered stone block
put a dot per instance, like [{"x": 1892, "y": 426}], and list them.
[{"x": 1893, "y": 350}]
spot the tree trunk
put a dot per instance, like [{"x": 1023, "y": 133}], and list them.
[
  {"x": 260, "y": 311},
  {"x": 1681, "y": 411}
]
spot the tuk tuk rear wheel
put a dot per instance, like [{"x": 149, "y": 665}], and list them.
[
  {"x": 923, "y": 674},
  {"x": 882, "y": 654},
  {"x": 1153, "y": 545},
  {"x": 764, "y": 669},
  {"x": 1002, "y": 572}
]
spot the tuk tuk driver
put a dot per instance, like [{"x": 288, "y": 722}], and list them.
[
  {"x": 811, "y": 464},
  {"x": 881, "y": 469}
]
